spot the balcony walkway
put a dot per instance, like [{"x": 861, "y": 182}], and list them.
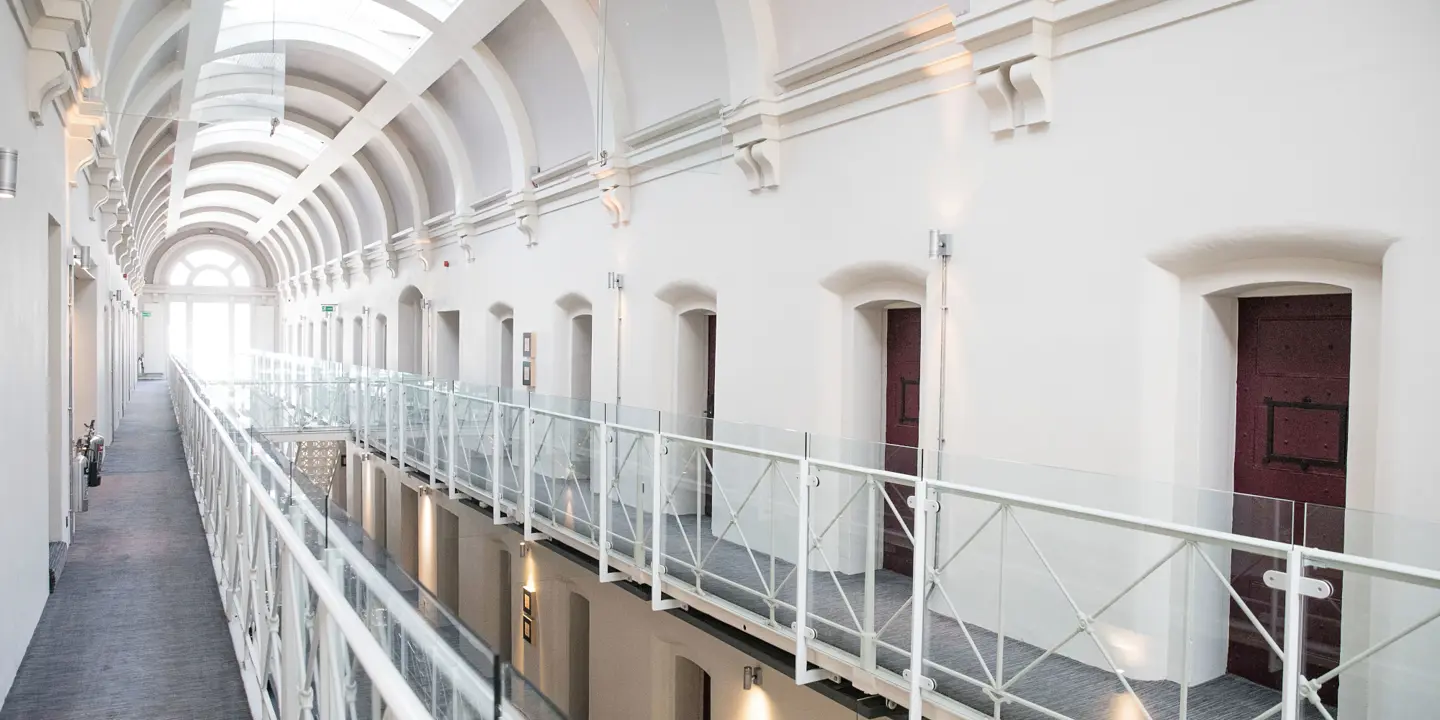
[{"x": 135, "y": 627}]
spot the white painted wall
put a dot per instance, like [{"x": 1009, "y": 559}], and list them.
[
  {"x": 35, "y": 425},
  {"x": 1238, "y": 143}
]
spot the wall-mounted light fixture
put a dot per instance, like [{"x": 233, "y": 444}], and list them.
[
  {"x": 939, "y": 244},
  {"x": 752, "y": 676},
  {"x": 9, "y": 172}
]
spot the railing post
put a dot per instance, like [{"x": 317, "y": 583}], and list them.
[
  {"x": 291, "y": 625},
  {"x": 603, "y": 506},
  {"x": 920, "y": 575},
  {"x": 1294, "y": 628},
  {"x": 497, "y": 458},
  {"x": 363, "y": 430},
  {"x": 528, "y": 465},
  {"x": 452, "y": 442},
  {"x": 389, "y": 413},
  {"x": 803, "y": 674},
  {"x": 403, "y": 420},
  {"x": 657, "y": 529},
  {"x": 874, "y": 517},
  {"x": 432, "y": 433}
]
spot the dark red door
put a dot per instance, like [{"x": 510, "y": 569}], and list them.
[
  {"x": 707, "y": 509},
  {"x": 1291, "y": 422},
  {"x": 902, "y": 431}
]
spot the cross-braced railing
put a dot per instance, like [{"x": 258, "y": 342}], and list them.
[
  {"x": 320, "y": 631},
  {"x": 957, "y": 587}
]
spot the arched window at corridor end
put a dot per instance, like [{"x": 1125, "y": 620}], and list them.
[{"x": 204, "y": 308}]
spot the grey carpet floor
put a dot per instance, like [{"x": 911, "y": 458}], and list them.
[{"x": 135, "y": 627}]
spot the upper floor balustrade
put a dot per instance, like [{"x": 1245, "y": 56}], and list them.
[{"x": 954, "y": 585}]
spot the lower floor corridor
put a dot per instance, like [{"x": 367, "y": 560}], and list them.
[{"x": 135, "y": 627}]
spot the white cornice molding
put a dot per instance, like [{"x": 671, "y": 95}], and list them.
[
  {"x": 559, "y": 172},
  {"x": 916, "y": 30},
  {"x": 705, "y": 114}
]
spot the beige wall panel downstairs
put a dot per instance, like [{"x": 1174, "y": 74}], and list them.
[{"x": 633, "y": 649}]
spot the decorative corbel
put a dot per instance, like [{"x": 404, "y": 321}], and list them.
[
  {"x": 1031, "y": 80},
  {"x": 527, "y": 213},
  {"x": 998, "y": 95},
  {"x": 425, "y": 252},
  {"x": 760, "y": 162},
  {"x": 100, "y": 177},
  {"x": 612, "y": 176},
  {"x": 47, "y": 75},
  {"x": 79, "y": 152},
  {"x": 1010, "y": 47},
  {"x": 464, "y": 244},
  {"x": 392, "y": 263},
  {"x": 755, "y": 132}
]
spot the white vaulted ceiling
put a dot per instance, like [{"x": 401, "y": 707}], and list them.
[{"x": 315, "y": 130}]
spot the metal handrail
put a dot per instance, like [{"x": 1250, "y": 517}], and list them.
[
  {"x": 1188, "y": 538},
  {"x": 399, "y": 697}
]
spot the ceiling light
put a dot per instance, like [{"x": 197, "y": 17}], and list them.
[{"x": 9, "y": 172}]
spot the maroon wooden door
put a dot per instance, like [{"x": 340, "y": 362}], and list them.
[
  {"x": 707, "y": 508},
  {"x": 902, "y": 431},
  {"x": 1291, "y": 422}
]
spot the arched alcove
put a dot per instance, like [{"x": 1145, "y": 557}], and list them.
[
  {"x": 381, "y": 335},
  {"x": 410, "y": 325}
]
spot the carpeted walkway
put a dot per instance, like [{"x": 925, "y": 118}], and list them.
[{"x": 135, "y": 627}]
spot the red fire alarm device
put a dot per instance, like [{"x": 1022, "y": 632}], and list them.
[{"x": 447, "y": 263}]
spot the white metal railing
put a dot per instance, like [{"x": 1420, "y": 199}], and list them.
[
  {"x": 316, "y": 625},
  {"x": 1002, "y": 574}
]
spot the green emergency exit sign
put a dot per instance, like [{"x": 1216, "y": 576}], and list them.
[
  {"x": 145, "y": 313},
  {"x": 327, "y": 308}
]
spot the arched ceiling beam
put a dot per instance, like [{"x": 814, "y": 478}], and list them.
[
  {"x": 752, "y": 54},
  {"x": 584, "y": 32},
  {"x": 122, "y": 78},
  {"x": 467, "y": 25},
  {"x": 328, "y": 99},
  {"x": 199, "y": 46},
  {"x": 239, "y": 152},
  {"x": 135, "y": 166},
  {"x": 487, "y": 71},
  {"x": 146, "y": 103},
  {"x": 462, "y": 178}
]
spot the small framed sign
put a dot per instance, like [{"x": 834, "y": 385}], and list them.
[
  {"x": 527, "y": 346},
  {"x": 527, "y": 374},
  {"x": 527, "y": 630},
  {"x": 526, "y": 598}
]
